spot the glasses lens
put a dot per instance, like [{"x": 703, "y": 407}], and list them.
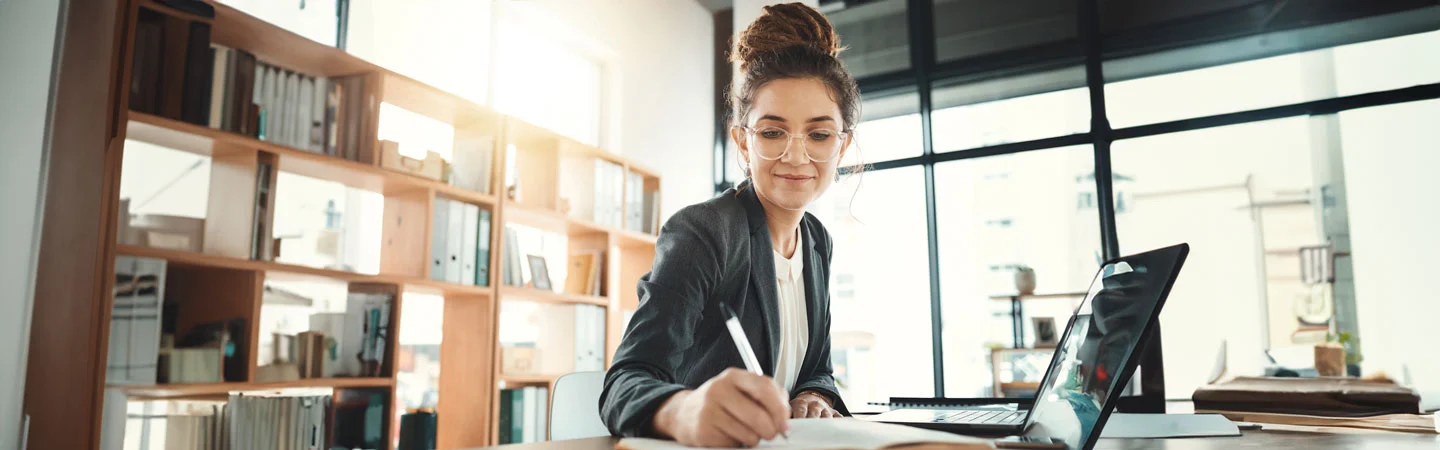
[
  {"x": 823, "y": 145},
  {"x": 770, "y": 143}
]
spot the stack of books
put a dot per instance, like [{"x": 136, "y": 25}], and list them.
[
  {"x": 230, "y": 89},
  {"x": 245, "y": 421},
  {"x": 523, "y": 415},
  {"x": 460, "y": 243}
]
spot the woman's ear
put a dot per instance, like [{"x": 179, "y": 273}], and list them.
[{"x": 742, "y": 145}]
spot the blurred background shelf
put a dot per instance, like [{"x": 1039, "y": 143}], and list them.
[{"x": 193, "y": 390}]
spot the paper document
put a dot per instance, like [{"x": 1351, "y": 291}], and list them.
[
  {"x": 1154, "y": 426},
  {"x": 839, "y": 434}
]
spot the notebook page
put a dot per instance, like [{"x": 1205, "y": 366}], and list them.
[{"x": 836, "y": 434}]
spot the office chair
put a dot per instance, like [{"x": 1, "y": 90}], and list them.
[{"x": 575, "y": 406}]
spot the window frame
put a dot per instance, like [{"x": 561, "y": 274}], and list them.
[{"x": 1144, "y": 56}]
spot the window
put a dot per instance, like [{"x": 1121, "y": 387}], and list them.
[
  {"x": 1241, "y": 196},
  {"x": 966, "y": 126},
  {"x": 445, "y": 43},
  {"x": 1389, "y": 158},
  {"x": 997, "y": 213},
  {"x": 314, "y": 19},
  {"x": 876, "y": 34},
  {"x": 971, "y": 28},
  {"x": 1254, "y": 198},
  {"x": 877, "y": 221},
  {"x": 545, "y": 82},
  {"x": 890, "y": 129}
]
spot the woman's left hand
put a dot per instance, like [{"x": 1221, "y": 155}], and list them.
[{"x": 811, "y": 405}]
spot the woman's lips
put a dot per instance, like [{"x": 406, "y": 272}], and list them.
[{"x": 796, "y": 179}]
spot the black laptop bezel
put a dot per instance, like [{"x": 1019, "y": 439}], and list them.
[{"x": 1131, "y": 361}]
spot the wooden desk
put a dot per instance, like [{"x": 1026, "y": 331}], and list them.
[{"x": 1272, "y": 437}]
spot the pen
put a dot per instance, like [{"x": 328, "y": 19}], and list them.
[{"x": 747, "y": 353}]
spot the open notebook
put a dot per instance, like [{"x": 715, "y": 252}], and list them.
[{"x": 841, "y": 434}]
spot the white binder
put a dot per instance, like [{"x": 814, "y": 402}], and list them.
[{"x": 469, "y": 243}]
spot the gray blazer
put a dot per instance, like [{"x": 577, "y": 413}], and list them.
[{"x": 713, "y": 252}]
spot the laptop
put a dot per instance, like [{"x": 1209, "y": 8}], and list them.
[{"x": 1092, "y": 363}]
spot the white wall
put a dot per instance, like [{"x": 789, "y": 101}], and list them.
[
  {"x": 1391, "y": 153},
  {"x": 27, "y": 46},
  {"x": 664, "y": 115}
]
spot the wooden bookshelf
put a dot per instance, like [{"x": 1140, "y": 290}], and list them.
[
  {"x": 196, "y": 390},
  {"x": 226, "y": 283}
]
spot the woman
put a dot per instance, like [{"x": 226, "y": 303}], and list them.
[{"x": 677, "y": 373}]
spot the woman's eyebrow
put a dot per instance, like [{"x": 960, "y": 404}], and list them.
[{"x": 812, "y": 120}]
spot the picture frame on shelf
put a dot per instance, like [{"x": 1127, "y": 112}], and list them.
[
  {"x": 1045, "y": 334},
  {"x": 539, "y": 272}
]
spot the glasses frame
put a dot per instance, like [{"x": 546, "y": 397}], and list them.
[{"x": 842, "y": 135}]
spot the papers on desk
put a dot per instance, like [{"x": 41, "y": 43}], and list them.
[
  {"x": 839, "y": 434},
  {"x": 1408, "y": 423},
  {"x": 1155, "y": 426}
]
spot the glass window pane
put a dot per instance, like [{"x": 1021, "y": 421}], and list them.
[
  {"x": 545, "y": 82},
  {"x": 889, "y": 129},
  {"x": 1222, "y": 89},
  {"x": 1275, "y": 81},
  {"x": 1390, "y": 159},
  {"x": 1033, "y": 209},
  {"x": 876, "y": 220},
  {"x": 1241, "y": 196},
  {"x": 876, "y": 34},
  {"x": 970, "y": 28},
  {"x": 1387, "y": 64},
  {"x": 1027, "y": 118}
]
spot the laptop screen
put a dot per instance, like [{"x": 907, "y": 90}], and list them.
[{"x": 1101, "y": 338}]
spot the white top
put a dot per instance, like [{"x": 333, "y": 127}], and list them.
[{"x": 794, "y": 321}]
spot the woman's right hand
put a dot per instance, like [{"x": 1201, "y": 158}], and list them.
[{"x": 735, "y": 408}]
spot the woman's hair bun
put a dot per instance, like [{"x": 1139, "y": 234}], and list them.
[{"x": 783, "y": 26}]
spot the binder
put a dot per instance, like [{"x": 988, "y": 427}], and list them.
[
  {"x": 482, "y": 254},
  {"x": 455, "y": 238},
  {"x": 469, "y": 245},
  {"x": 439, "y": 251}
]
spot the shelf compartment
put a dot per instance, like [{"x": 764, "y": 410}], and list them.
[
  {"x": 206, "y": 141},
  {"x": 278, "y": 271}
]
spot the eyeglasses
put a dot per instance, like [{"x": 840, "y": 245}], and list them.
[{"x": 772, "y": 143}]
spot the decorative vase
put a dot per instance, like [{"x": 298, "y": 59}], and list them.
[{"x": 1025, "y": 281}]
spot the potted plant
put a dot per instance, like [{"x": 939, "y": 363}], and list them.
[{"x": 1024, "y": 279}]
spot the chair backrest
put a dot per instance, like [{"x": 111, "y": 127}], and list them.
[{"x": 575, "y": 406}]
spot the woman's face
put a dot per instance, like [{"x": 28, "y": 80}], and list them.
[{"x": 800, "y": 107}]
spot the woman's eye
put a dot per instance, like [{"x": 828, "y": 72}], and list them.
[
  {"x": 821, "y": 135},
  {"x": 772, "y": 134}
]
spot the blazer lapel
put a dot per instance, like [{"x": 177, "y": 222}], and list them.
[
  {"x": 762, "y": 275},
  {"x": 815, "y": 288}
]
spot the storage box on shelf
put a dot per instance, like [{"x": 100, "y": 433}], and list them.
[{"x": 253, "y": 145}]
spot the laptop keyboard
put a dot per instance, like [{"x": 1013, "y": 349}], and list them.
[{"x": 984, "y": 417}]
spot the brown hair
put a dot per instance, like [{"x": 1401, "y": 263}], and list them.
[{"x": 791, "y": 40}]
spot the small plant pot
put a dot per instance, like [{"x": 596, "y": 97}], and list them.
[{"x": 1025, "y": 282}]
